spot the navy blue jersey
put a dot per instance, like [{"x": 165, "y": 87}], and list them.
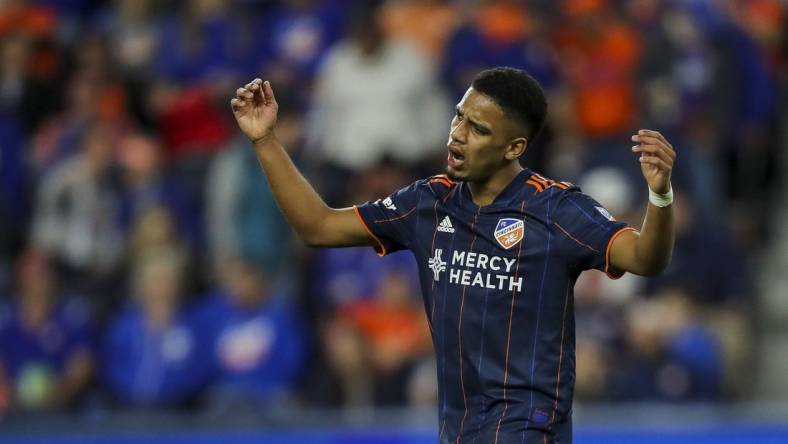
[{"x": 498, "y": 287}]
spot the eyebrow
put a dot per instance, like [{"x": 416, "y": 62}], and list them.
[{"x": 473, "y": 122}]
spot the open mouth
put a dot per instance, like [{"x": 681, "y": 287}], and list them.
[{"x": 456, "y": 158}]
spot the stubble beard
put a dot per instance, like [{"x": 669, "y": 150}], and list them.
[{"x": 451, "y": 174}]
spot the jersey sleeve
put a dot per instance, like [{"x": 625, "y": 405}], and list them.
[
  {"x": 389, "y": 221},
  {"x": 588, "y": 230}
]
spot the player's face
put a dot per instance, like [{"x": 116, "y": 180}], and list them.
[{"x": 479, "y": 138}]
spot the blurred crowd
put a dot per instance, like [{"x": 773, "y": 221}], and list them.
[{"x": 144, "y": 263}]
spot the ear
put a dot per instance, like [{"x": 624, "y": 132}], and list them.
[{"x": 516, "y": 148}]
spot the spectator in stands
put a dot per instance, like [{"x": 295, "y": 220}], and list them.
[
  {"x": 705, "y": 261},
  {"x": 599, "y": 59},
  {"x": 293, "y": 39},
  {"x": 202, "y": 42},
  {"x": 146, "y": 185},
  {"x": 134, "y": 32},
  {"x": 15, "y": 177},
  {"x": 669, "y": 353},
  {"x": 76, "y": 219},
  {"x": 427, "y": 24},
  {"x": 152, "y": 355},
  {"x": 58, "y": 136},
  {"x": 37, "y": 25},
  {"x": 393, "y": 336},
  {"x": 498, "y": 33},
  {"x": 202, "y": 47},
  {"x": 155, "y": 227},
  {"x": 46, "y": 354},
  {"x": 255, "y": 338},
  {"x": 376, "y": 97}
]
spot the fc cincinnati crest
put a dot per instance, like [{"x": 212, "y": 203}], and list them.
[{"x": 509, "y": 232}]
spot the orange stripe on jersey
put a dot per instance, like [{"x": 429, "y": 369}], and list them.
[
  {"x": 575, "y": 239},
  {"x": 392, "y": 219},
  {"x": 540, "y": 179},
  {"x": 608, "y": 271},
  {"x": 442, "y": 182},
  {"x": 445, "y": 176},
  {"x": 544, "y": 183},
  {"x": 382, "y": 248},
  {"x": 539, "y": 187},
  {"x": 442, "y": 179},
  {"x": 509, "y": 338}
]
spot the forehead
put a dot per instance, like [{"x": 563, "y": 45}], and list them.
[{"x": 481, "y": 108}]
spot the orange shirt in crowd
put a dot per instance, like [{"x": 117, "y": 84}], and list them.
[
  {"x": 600, "y": 65},
  {"x": 403, "y": 328},
  {"x": 29, "y": 20},
  {"x": 426, "y": 24}
]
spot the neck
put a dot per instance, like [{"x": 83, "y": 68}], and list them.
[{"x": 484, "y": 192}]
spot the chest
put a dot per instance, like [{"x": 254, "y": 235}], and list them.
[
  {"x": 489, "y": 251},
  {"x": 494, "y": 240}
]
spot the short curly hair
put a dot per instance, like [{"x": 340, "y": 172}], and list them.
[{"x": 517, "y": 93}]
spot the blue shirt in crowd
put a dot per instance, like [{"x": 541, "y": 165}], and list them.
[
  {"x": 162, "y": 367},
  {"x": 35, "y": 357},
  {"x": 257, "y": 354}
]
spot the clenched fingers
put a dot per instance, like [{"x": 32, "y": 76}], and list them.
[
  {"x": 255, "y": 86},
  {"x": 244, "y": 94},
  {"x": 653, "y": 140},
  {"x": 241, "y": 99},
  {"x": 657, "y": 134},
  {"x": 655, "y": 161},
  {"x": 655, "y": 150}
]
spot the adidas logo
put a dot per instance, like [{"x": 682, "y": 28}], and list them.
[{"x": 445, "y": 225}]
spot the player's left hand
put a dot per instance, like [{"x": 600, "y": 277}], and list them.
[{"x": 656, "y": 159}]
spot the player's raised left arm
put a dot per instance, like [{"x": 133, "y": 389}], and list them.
[{"x": 649, "y": 252}]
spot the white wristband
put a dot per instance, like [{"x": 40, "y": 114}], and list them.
[{"x": 661, "y": 200}]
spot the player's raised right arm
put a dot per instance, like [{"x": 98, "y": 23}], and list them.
[{"x": 255, "y": 109}]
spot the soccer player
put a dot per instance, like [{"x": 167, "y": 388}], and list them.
[{"x": 499, "y": 249}]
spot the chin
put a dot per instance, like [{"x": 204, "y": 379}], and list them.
[{"x": 453, "y": 175}]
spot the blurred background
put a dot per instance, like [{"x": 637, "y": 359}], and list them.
[{"x": 150, "y": 290}]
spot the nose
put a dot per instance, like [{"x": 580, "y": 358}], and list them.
[{"x": 458, "y": 133}]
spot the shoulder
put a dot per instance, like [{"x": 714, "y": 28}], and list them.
[
  {"x": 436, "y": 186},
  {"x": 564, "y": 198},
  {"x": 540, "y": 184},
  {"x": 565, "y": 203},
  {"x": 546, "y": 190},
  {"x": 439, "y": 185}
]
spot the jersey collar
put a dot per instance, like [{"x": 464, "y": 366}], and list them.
[{"x": 503, "y": 200}]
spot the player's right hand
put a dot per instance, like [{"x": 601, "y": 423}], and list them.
[{"x": 255, "y": 108}]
